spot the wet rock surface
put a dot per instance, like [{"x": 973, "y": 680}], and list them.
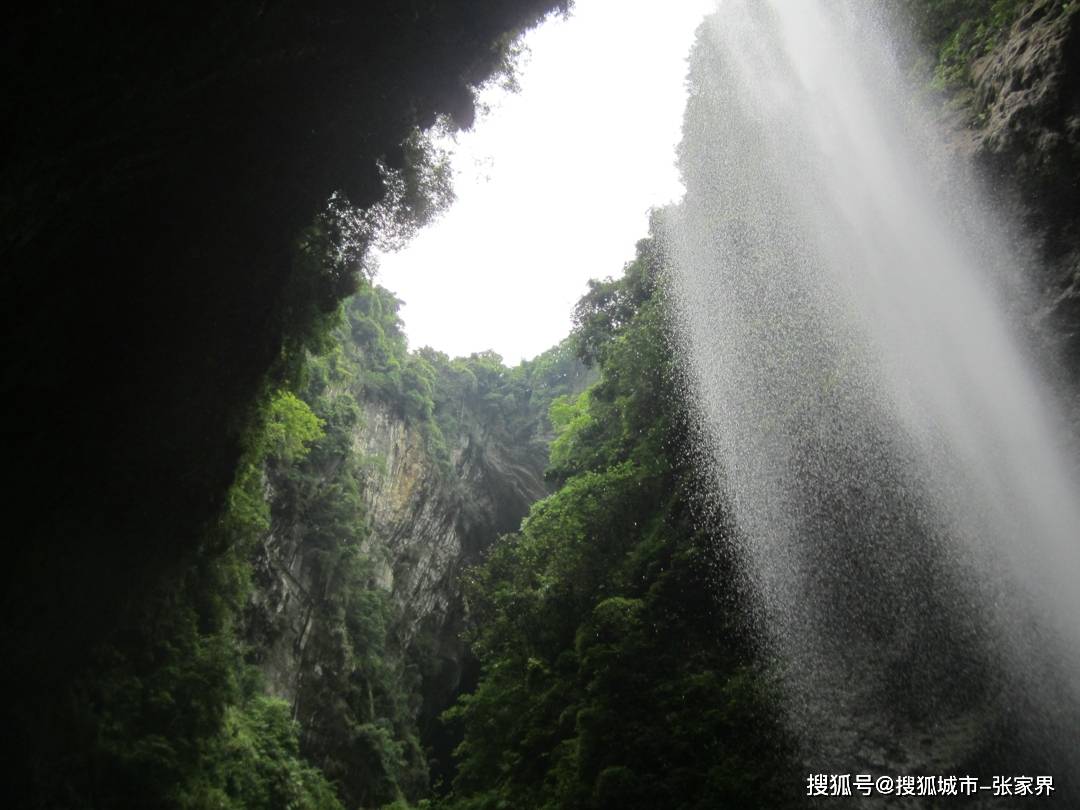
[
  {"x": 1022, "y": 130},
  {"x": 427, "y": 523}
]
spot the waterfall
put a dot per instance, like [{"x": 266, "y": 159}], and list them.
[{"x": 876, "y": 421}]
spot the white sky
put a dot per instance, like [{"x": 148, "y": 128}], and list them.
[{"x": 554, "y": 183}]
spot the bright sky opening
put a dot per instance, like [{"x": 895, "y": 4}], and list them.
[{"x": 554, "y": 183}]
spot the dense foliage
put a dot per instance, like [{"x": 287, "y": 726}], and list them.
[
  {"x": 163, "y": 168},
  {"x": 168, "y": 284},
  {"x": 173, "y": 712},
  {"x": 358, "y": 724},
  {"x": 614, "y": 670},
  {"x": 361, "y": 689},
  {"x": 445, "y": 398},
  {"x": 172, "y": 716}
]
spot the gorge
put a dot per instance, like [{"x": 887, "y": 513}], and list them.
[{"x": 797, "y": 495}]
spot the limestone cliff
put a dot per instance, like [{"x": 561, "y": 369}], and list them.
[
  {"x": 431, "y": 521},
  {"x": 426, "y": 523},
  {"x": 1021, "y": 126},
  {"x": 357, "y": 614}
]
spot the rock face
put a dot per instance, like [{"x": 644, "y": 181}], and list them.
[
  {"x": 427, "y": 521},
  {"x": 433, "y": 521},
  {"x": 1025, "y": 134}
]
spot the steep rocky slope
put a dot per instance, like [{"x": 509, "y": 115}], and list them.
[
  {"x": 426, "y": 524},
  {"x": 357, "y": 614},
  {"x": 1020, "y": 124}
]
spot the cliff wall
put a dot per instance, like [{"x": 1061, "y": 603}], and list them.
[
  {"x": 357, "y": 615},
  {"x": 1020, "y": 125},
  {"x": 426, "y": 524}
]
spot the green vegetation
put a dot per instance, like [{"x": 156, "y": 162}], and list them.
[
  {"x": 172, "y": 716},
  {"x": 218, "y": 405},
  {"x": 972, "y": 37},
  {"x": 164, "y": 176},
  {"x": 358, "y": 722},
  {"x": 445, "y": 398},
  {"x": 173, "y": 712},
  {"x": 362, "y": 714},
  {"x": 614, "y": 671},
  {"x": 958, "y": 32}
]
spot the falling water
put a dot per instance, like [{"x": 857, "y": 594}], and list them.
[{"x": 904, "y": 492}]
